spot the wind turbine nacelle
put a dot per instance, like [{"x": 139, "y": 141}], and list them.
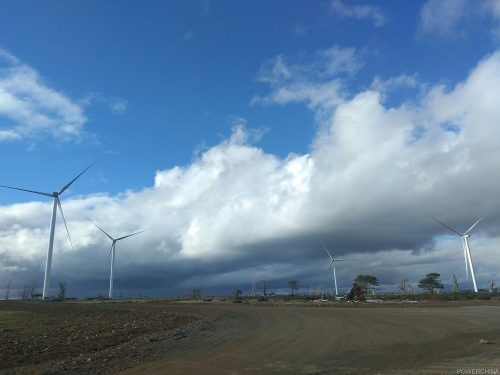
[{"x": 466, "y": 236}]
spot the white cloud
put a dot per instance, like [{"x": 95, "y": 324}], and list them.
[
  {"x": 188, "y": 35},
  {"x": 393, "y": 83},
  {"x": 450, "y": 19},
  {"x": 116, "y": 105},
  {"x": 359, "y": 12},
  {"x": 300, "y": 30},
  {"x": 316, "y": 80},
  {"x": 369, "y": 187},
  {"x": 31, "y": 108}
]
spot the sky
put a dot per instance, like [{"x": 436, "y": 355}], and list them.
[{"x": 246, "y": 134}]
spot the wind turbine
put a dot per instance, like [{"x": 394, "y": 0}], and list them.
[
  {"x": 57, "y": 203},
  {"x": 112, "y": 253},
  {"x": 467, "y": 255},
  {"x": 332, "y": 262}
]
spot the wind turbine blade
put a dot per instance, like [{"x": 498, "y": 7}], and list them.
[
  {"x": 29, "y": 191},
  {"x": 111, "y": 238},
  {"x": 133, "y": 234},
  {"x": 327, "y": 270},
  {"x": 64, "y": 220},
  {"x": 109, "y": 254},
  {"x": 68, "y": 185},
  {"x": 450, "y": 228},
  {"x": 327, "y": 250},
  {"x": 473, "y": 226}
]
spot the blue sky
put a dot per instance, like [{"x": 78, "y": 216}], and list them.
[{"x": 245, "y": 133}]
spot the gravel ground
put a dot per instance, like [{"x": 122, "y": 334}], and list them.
[{"x": 219, "y": 337}]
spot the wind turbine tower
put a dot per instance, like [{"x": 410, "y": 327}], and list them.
[
  {"x": 57, "y": 203},
  {"x": 332, "y": 262},
  {"x": 467, "y": 255},
  {"x": 112, "y": 254}
]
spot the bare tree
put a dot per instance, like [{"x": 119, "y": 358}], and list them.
[
  {"x": 194, "y": 292},
  {"x": 294, "y": 285},
  {"x": 7, "y": 290},
  {"x": 263, "y": 284},
  {"x": 490, "y": 286},
  {"x": 63, "y": 288},
  {"x": 142, "y": 296},
  {"x": 25, "y": 294},
  {"x": 34, "y": 284},
  {"x": 316, "y": 290},
  {"x": 237, "y": 292},
  {"x": 373, "y": 285},
  {"x": 120, "y": 295},
  {"x": 403, "y": 285},
  {"x": 253, "y": 292},
  {"x": 454, "y": 284}
]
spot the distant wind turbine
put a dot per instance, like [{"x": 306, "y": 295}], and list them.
[
  {"x": 332, "y": 262},
  {"x": 57, "y": 203},
  {"x": 112, "y": 253},
  {"x": 467, "y": 255}
]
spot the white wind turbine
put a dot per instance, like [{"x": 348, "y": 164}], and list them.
[
  {"x": 112, "y": 253},
  {"x": 332, "y": 262},
  {"x": 57, "y": 203},
  {"x": 467, "y": 255}
]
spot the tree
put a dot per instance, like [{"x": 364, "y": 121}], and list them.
[
  {"x": 7, "y": 291},
  {"x": 194, "y": 292},
  {"x": 63, "y": 287},
  {"x": 373, "y": 286},
  {"x": 403, "y": 285},
  {"x": 263, "y": 285},
  {"x": 253, "y": 292},
  {"x": 366, "y": 281},
  {"x": 490, "y": 286},
  {"x": 431, "y": 283},
  {"x": 32, "y": 288},
  {"x": 25, "y": 294},
  {"x": 316, "y": 290},
  {"x": 293, "y": 284},
  {"x": 237, "y": 292},
  {"x": 454, "y": 284}
]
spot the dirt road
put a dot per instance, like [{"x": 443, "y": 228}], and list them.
[{"x": 333, "y": 340}]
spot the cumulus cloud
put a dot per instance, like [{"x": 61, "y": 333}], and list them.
[
  {"x": 368, "y": 188},
  {"x": 359, "y": 12},
  {"x": 30, "y": 107}
]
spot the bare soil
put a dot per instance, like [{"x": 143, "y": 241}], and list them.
[{"x": 220, "y": 337}]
